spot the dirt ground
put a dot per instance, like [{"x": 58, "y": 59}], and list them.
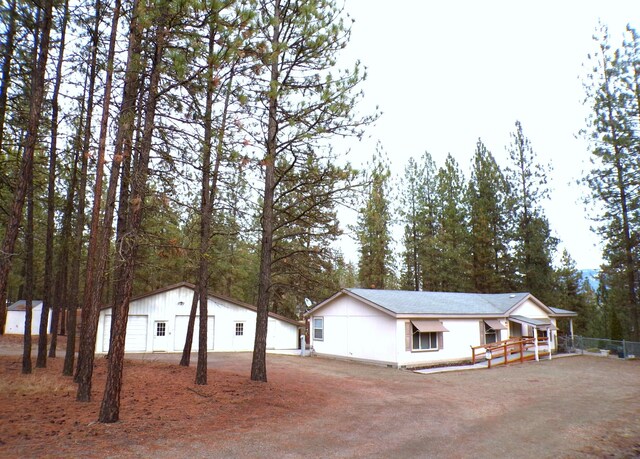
[{"x": 569, "y": 407}]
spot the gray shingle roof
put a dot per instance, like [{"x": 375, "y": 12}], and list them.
[
  {"x": 564, "y": 312},
  {"x": 410, "y": 302}
]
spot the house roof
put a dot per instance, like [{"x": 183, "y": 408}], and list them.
[
  {"x": 211, "y": 295},
  {"x": 21, "y": 305},
  {"x": 412, "y": 302},
  {"x": 402, "y": 302}
]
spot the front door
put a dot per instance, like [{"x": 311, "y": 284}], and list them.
[
  {"x": 160, "y": 336},
  {"x": 515, "y": 330}
]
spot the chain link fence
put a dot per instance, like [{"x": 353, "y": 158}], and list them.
[{"x": 606, "y": 347}]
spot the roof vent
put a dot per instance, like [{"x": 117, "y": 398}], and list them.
[{"x": 512, "y": 296}]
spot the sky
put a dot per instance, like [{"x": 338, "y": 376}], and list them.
[{"x": 445, "y": 73}]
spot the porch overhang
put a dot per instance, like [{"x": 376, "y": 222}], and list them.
[{"x": 539, "y": 323}]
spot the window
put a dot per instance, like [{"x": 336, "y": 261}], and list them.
[
  {"x": 490, "y": 335},
  {"x": 318, "y": 328},
  {"x": 161, "y": 329},
  {"x": 423, "y": 341},
  {"x": 239, "y": 328}
]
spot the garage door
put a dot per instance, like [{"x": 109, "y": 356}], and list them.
[
  {"x": 180, "y": 333},
  {"x": 136, "y": 340}
]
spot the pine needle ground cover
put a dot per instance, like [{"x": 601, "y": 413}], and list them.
[{"x": 580, "y": 406}]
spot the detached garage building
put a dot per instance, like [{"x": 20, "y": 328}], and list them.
[{"x": 158, "y": 323}]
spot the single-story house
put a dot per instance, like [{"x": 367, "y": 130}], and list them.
[
  {"x": 16, "y": 315},
  {"x": 158, "y": 323},
  {"x": 410, "y": 329}
]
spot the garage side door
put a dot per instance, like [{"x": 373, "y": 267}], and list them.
[
  {"x": 180, "y": 333},
  {"x": 136, "y": 340}
]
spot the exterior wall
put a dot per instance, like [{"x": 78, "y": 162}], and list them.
[
  {"x": 15, "y": 322},
  {"x": 530, "y": 309},
  {"x": 280, "y": 334},
  {"x": 355, "y": 330},
  {"x": 457, "y": 342},
  {"x": 222, "y": 319}
]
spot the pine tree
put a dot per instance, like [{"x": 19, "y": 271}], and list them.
[
  {"x": 299, "y": 104},
  {"x": 534, "y": 243},
  {"x": 613, "y": 90},
  {"x": 373, "y": 229},
  {"x": 487, "y": 197},
  {"x": 41, "y": 54},
  {"x": 410, "y": 213},
  {"x": 452, "y": 266}
]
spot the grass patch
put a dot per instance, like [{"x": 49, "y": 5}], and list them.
[{"x": 37, "y": 383}]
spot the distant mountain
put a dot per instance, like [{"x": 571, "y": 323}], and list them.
[{"x": 591, "y": 276}]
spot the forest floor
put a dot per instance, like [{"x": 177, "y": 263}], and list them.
[{"x": 581, "y": 406}]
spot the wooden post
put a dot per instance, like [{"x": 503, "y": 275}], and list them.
[
  {"x": 506, "y": 356},
  {"x": 535, "y": 344},
  {"x": 571, "y": 332},
  {"x": 521, "y": 351}
]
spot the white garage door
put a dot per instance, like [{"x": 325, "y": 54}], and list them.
[
  {"x": 180, "y": 333},
  {"x": 136, "y": 340}
]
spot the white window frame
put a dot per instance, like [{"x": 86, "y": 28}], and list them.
[
  {"x": 239, "y": 329},
  {"x": 320, "y": 329},
  {"x": 426, "y": 336}
]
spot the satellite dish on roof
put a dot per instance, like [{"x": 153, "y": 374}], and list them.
[{"x": 308, "y": 302}]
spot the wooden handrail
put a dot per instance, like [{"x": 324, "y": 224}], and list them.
[{"x": 506, "y": 346}]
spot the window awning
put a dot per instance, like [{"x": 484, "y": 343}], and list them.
[
  {"x": 542, "y": 324},
  {"x": 495, "y": 324},
  {"x": 426, "y": 326}
]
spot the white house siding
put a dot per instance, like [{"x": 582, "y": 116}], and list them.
[
  {"x": 173, "y": 306},
  {"x": 462, "y": 334},
  {"x": 280, "y": 335},
  {"x": 355, "y": 330},
  {"x": 180, "y": 332},
  {"x": 15, "y": 321},
  {"x": 530, "y": 309}
]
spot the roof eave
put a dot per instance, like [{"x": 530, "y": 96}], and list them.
[
  {"x": 407, "y": 315},
  {"x": 347, "y": 292},
  {"x": 214, "y": 296}
]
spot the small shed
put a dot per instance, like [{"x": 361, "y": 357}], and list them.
[
  {"x": 16, "y": 315},
  {"x": 158, "y": 323}
]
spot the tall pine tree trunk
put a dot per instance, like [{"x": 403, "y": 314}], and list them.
[
  {"x": 110, "y": 407},
  {"x": 186, "y": 351},
  {"x": 41, "y": 360},
  {"x": 622, "y": 183},
  {"x": 67, "y": 291},
  {"x": 74, "y": 291},
  {"x": 209, "y": 187},
  {"x": 28, "y": 311},
  {"x": 259, "y": 363},
  {"x": 96, "y": 258},
  {"x": 5, "y": 79},
  {"x": 26, "y": 165}
]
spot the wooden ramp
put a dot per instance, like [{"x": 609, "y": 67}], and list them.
[{"x": 512, "y": 350}]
